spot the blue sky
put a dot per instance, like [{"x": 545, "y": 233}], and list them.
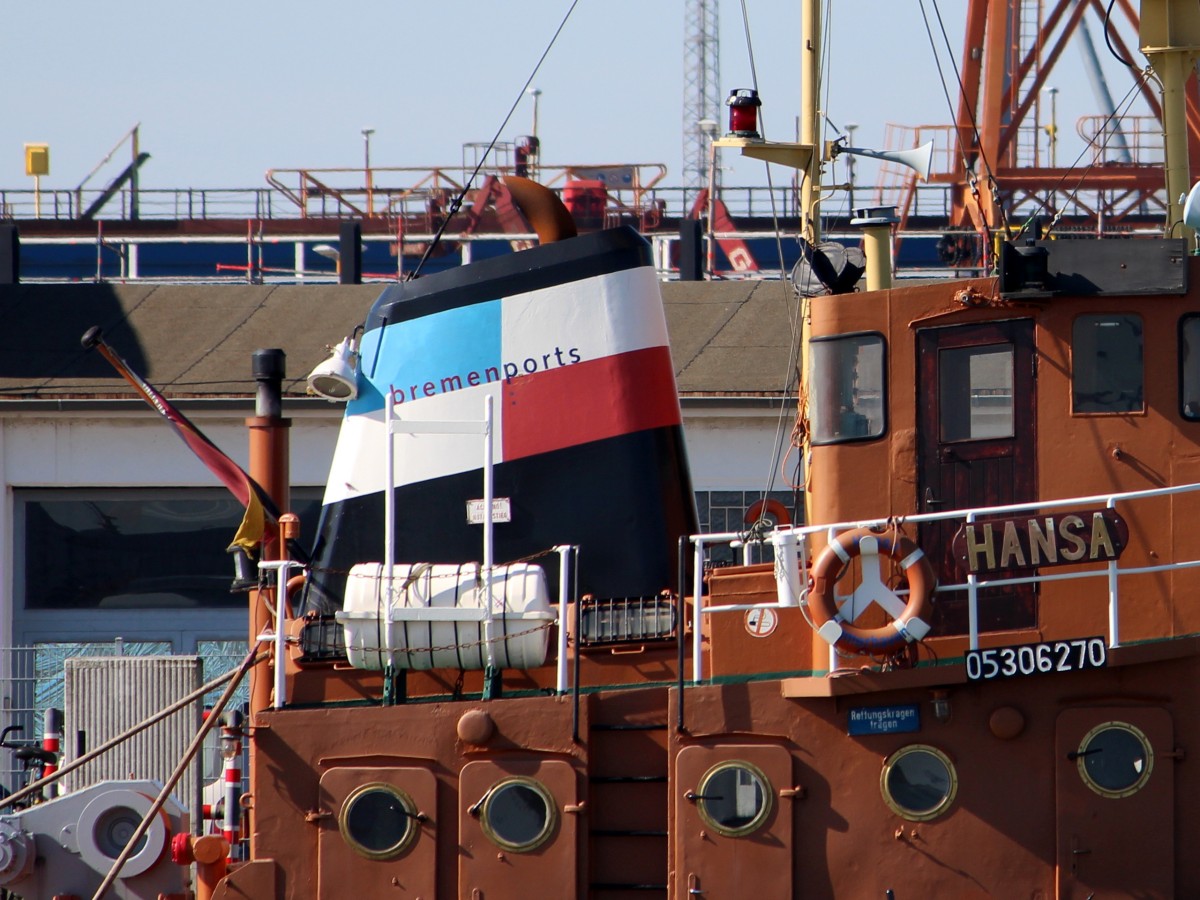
[{"x": 227, "y": 90}]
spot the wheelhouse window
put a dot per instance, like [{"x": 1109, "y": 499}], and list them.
[
  {"x": 1107, "y": 374},
  {"x": 1189, "y": 367},
  {"x": 848, "y": 397}
]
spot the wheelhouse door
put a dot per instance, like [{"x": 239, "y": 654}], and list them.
[{"x": 976, "y": 445}]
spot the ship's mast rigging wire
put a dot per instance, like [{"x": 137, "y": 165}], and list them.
[
  {"x": 962, "y": 92},
  {"x": 457, "y": 202},
  {"x": 1119, "y": 114},
  {"x": 790, "y": 379},
  {"x": 1120, "y": 111}
]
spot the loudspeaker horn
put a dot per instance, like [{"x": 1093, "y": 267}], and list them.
[
  {"x": 1191, "y": 208},
  {"x": 919, "y": 158}
]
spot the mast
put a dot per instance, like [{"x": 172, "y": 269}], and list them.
[
  {"x": 1170, "y": 38},
  {"x": 810, "y": 94},
  {"x": 802, "y": 155}
]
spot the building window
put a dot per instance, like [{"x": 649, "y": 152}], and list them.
[
  {"x": 123, "y": 549},
  {"x": 1106, "y": 364},
  {"x": 722, "y": 512},
  {"x": 847, "y": 401}
]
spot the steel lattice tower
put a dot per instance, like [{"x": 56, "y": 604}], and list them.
[{"x": 701, "y": 86}]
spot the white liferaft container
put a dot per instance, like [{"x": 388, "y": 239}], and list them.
[{"x": 435, "y": 616}]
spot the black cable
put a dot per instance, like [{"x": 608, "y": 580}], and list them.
[
  {"x": 1109, "y": 133},
  {"x": 1108, "y": 39},
  {"x": 456, "y": 203},
  {"x": 962, "y": 92}
]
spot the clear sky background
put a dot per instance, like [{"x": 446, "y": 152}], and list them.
[{"x": 226, "y": 90}]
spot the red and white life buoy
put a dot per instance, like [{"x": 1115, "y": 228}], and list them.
[
  {"x": 910, "y": 618},
  {"x": 761, "y": 508}
]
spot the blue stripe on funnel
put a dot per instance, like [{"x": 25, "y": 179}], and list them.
[{"x": 429, "y": 349}]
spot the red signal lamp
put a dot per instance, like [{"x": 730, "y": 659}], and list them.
[{"x": 743, "y": 112}]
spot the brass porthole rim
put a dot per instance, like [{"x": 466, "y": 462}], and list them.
[
  {"x": 410, "y": 833},
  {"x": 538, "y": 788},
  {"x": 759, "y": 819},
  {"x": 1081, "y": 759},
  {"x": 909, "y": 814}
]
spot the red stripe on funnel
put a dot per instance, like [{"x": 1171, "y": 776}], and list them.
[{"x": 589, "y": 401}]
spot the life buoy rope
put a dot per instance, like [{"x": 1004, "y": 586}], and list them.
[{"x": 910, "y": 618}]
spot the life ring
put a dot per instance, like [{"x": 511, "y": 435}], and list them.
[
  {"x": 910, "y": 618},
  {"x": 760, "y": 508}
]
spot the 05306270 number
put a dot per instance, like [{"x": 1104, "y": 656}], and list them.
[{"x": 1036, "y": 659}]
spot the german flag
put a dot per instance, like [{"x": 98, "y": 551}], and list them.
[{"x": 258, "y": 504}]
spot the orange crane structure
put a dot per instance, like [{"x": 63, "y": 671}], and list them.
[{"x": 998, "y": 161}]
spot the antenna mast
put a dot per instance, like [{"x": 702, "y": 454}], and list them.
[{"x": 701, "y": 86}]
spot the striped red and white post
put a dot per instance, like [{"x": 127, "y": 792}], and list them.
[
  {"x": 52, "y": 744},
  {"x": 231, "y": 750}
]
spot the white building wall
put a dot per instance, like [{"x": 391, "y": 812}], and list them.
[
  {"x": 739, "y": 451},
  {"x": 728, "y": 450}
]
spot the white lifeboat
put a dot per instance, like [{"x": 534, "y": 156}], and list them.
[{"x": 435, "y": 616}]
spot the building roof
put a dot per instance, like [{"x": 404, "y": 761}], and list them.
[{"x": 196, "y": 341}]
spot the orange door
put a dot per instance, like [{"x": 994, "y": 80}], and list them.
[
  {"x": 733, "y": 825},
  {"x": 1114, "y": 787},
  {"x": 517, "y": 829},
  {"x": 378, "y": 833}
]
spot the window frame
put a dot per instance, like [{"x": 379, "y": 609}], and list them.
[
  {"x": 934, "y": 812},
  {"x": 758, "y": 821},
  {"x": 1139, "y": 410},
  {"x": 410, "y": 813},
  {"x": 549, "y": 826},
  {"x": 883, "y": 388},
  {"x": 1082, "y": 757},
  {"x": 1183, "y": 399}
]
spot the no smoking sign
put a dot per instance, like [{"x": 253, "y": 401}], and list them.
[{"x": 761, "y": 623}]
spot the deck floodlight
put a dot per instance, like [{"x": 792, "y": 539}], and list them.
[{"x": 335, "y": 379}]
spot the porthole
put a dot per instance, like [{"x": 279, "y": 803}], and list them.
[
  {"x": 378, "y": 821},
  {"x": 1115, "y": 759},
  {"x": 518, "y": 814},
  {"x": 919, "y": 782},
  {"x": 733, "y": 798}
]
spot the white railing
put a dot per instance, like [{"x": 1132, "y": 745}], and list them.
[{"x": 791, "y": 546}]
